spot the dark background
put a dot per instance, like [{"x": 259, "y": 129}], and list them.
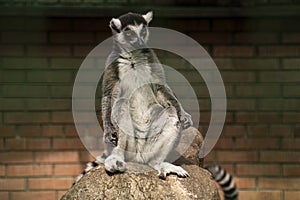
[{"x": 255, "y": 44}]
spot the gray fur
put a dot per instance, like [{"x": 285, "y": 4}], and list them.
[{"x": 142, "y": 118}]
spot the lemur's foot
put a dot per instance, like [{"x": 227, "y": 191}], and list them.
[
  {"x": 114, "y": 164},
  {"x": 166, "y": 168}
]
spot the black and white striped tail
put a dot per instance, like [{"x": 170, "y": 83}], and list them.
[
  {"x": 225, "y": 180},
  {"x": 89, "y": 166}
]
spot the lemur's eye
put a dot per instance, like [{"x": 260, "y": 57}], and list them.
[{"x": 128, "y": 34}]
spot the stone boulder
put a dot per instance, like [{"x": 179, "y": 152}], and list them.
[{"x": 142, "y": 182}]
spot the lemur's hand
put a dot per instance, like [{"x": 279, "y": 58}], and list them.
[{"x": 186, "y": 120}]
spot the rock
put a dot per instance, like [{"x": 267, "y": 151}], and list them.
[{"x": 141, "y": 181}]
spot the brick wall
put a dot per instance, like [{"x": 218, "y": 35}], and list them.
[{"x": 40, "y": 152}]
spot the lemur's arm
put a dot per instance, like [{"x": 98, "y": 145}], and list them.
[
  {"x": 110, "y": 80},
  {"x": 166, "y": 97}
]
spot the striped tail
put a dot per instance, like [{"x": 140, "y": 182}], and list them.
[
  {"x": 225, "y": 180},
  {"x": 89, "y": 166}
]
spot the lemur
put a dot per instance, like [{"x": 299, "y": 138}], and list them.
[{"x": 142, "y": 118}]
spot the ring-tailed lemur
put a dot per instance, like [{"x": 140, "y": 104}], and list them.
[
  {"x": 142, "y": 118},
  {"x": 225, "y": 180}
]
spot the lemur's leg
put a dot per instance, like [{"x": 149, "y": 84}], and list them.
[
  {"x": 121, "y": 118},
  {"x": 115, "y": 161},
  {"x": 165, "y": 143}
]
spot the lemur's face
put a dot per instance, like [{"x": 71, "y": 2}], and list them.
[{"x": 131, "y": 30}]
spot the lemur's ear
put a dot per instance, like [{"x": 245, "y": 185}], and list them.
[
  {"x": 148, "y": 16},
  {"x": 115, "y": 25}
]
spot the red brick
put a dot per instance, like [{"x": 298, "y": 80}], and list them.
[
  {"x": 12, "y": 76},
  {"x": 279, "y": 51},
  {"x": 49, "y": 183},
  {"x": 24, "y": 37},
  {"x": 291, "y": 195},
  {"x": 291, "y": 91},
  {"x": 49, "y": 24},
  {"x": 24, "y": 63},
  {"x": 291, "y": 143},
  {"x": 7, "y": 131},
  {"x": 82, "y": 50},
  {"x": 71, "y": 131},
  {"x": 291, "y": 117},
  {"x": 224, "y": 144},
  {"x": 60, "y": 194},
  {"x": 237, "y": 156},
  {"x": 29, "y": 170},
  {"x": 16, "y": 157},
  {"x": 86, "y": 156},
  {"x": 48, "y": 104},
  {"x": 245, "y": 183},
  {"x": 291, "y": 170},
  {"x": 24, "y": 118},
  {"x": 233, "y": 131},
  {"x": 62, "y": 117},
  {"x": 72, "y": 37},
  {"x": 14, "y": 23},
  {"x": 50, "y": 76},
  {"x": 49, "y": 51},
  {"x": 279, "y": 104},
  {"x": 255, "y": 63},
  {"x": 258, "y": 91},
  {"x": 2, "y": 170},
  {"x": 29, "y": 131},
  {"x": 70, "y": 143},
  {"x": 224, "y": 63},
  {"x": 57, "y": 157},
  {"x": 257, "y": 144},
  {"x": 68, "y": 63},
  {"x": 279, "y": 77},
  {"x": 11, "y": 50},
  {"x": 52, "y": 131},
  {"x": 280, "y": 131},
  {"x": 61, "y": 91},
  {"x": 240, "y": 104},
  {"x": 4, "y": 195},
  {"x": 291, "y": 63},
  {"x": 237, "y": 77},
  {"x": 90, "y": 24},
  {"x": 280, "y": 156},
  {"x": 234, "y": 51},
  {"x": 291, "y": 38},
  {"x": 212, "y": 38},
  {"x": 15, "y": 144},
  {"x": 272, "y": 117},
  {"x": 255, "y": 38},
  {"x": 12, "y": 184},
  {"x": 33, "y": 195},
  {"x": 25, "y": 91},
  {"x": 254, "y": 195},
  {"x": 12, "y": 105},
  {"x": 257, "y": 170},
  {"x": 297, "y": 131},
  {"x": 279, "y": 183},
  {"x": 211, "y": 157},
  {"x": 233, "y": 25},
  {"x": 68, "y": 170}
]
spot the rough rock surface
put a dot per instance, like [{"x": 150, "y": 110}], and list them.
[{"x": 141, "y": 182}]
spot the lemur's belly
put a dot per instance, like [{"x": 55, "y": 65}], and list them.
[
  {"x": 141, "y": 105},
  {"x": 136, "y": 88}
]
